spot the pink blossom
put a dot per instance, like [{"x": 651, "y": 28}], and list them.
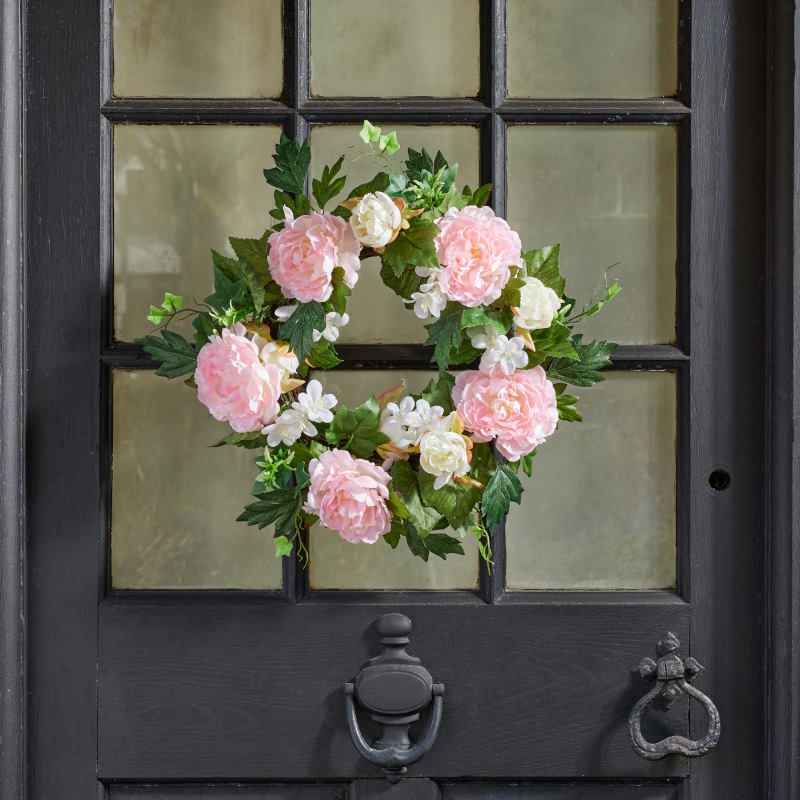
[
  {"x": 234, "y": 384},
  {"x": 519, "y": 410},
  {"x": 476, "y": 249},
  {"x": 349, "y": 496},
  {"x": 304, "y": 253}
]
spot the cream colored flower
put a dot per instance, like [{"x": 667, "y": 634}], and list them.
[
  {"x": 538, "y": 306},
  {"x": 375, "y": 219},
  {"x": 443, "y": 454}
]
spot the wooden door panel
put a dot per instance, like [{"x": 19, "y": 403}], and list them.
[
  {"x": 573, "y": 792},
  {"x": 253, "y": 690},
  {"x": 227, "y": 792}
]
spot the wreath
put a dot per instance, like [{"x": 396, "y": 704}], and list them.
[{"x": 431, "y": 468}]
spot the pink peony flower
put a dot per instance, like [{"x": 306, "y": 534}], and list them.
[
  {"x": 303, "y": 255},
  {"x": 519, "y": 410},
  {"x": 349, "y": 496},
  {"x": 234, "y": 384},
  {"x": 476, "y": 249}
]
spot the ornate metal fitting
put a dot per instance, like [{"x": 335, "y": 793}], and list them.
[
  {"x": 673, "y": 676},
  {"x": 394, "y": 687}
]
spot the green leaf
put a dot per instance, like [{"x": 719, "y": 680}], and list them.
[
  {"x": 298, "y": 204},
  {"x": 341, "y": 291},
  {"x": 279, "y": 507},
  {"x": 176, "y": 355},
  {"x": 254, "y": 252},
  {"x": 481, "y": 195},
  {"x": 441, "y": 544},
  {"x": 439, "y": 392},
  {"x": 358, "y": 429},
  {"x": 593, "y": 356},
  {"x": 510, "y": 293},
  {"x": 393, "y": 537},
  {"x": 251, "y": 441},
  {"x": 503, "y": 488},
  {"x": 228, "y": 293},
  {"x": 419, "y": 162},
  {"x": 299, "y": 329},
  {"x": 473, "y": 317},
  {"x": 204, "y": 327},
  {"x": 555, "y": 341},
  {"x": 369, "y": 132},
  {"x": 388, "y": 143},
  {"x": 412, "y": 247},
  {"x": 445, "y": 334},
  {"x": 171, "y": 304},
  {"x": 380, "y": 183},
  {"x": 566, "y": 408},
  {"x": 448, "y": 176},
  {"x": 454, "y": 501},
  {"x": 609, "y": 294},
  {"x": 323, "y": 355},
  {"x": 404, "y": 285},
  {"x": 327, "y": 188},
  {"x": 543, "y": 264},
  {"x": 302, "y": 478},
  {"x": 291, "y": 165},
  {"x": 404, "y": 482},
  {"x": 283, "y": 547},
  {"x": 396, "y": 504},
  {"x": 416, "y": 544},
  {"x": 527, "y": 463}
]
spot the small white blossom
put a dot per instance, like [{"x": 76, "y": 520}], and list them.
[
  {"x": 284, "y": 312},
  {"x": 288, "y": 428},
  {"x": 375, "y": 219},
  {"x": 482, "y": 336},
  {"x": 429, "y": 301},
  {"x": 427, "y": 272},
  {"x": 508, "y": 354},
  {"x": 394, "y": 421},
  {"x": 425, "y": 418},
  {"x": 333, "y": 322},
  {"x": 443, "y": 454},
  {"x": 315, "y": 405},
  {"x": 538, "y": 306}
]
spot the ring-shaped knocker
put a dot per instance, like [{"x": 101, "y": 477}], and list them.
[{"x": 673, "y": 676}]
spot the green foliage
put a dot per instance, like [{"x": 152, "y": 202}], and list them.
[
  {"x": 369, "y": 132},
  {"x": 480, "y": 196},
  {"x": 278, "y": 507},
  {"x": 301, "y": 478},
  {"x": 388, "y": 143},
  {"x": 592, "y": 356},
  {"x": 251, "y": 441},
  {"x": 291, "y": 165},
  {"x": 323, "y": 355},
  {"x": 503, "y": 488},
  {"x": 404, "y": 482},
  {"x": 609, "y": 293},
  {"x": 380, "y": 183},
  {"x": 283, "y": 547},
  {"x": 419, "y": 163},
  {"x": 405, "y": 285},
  {"x": 329, "y": 185},
  {"x": 543, "y": 264},
  {"x": 231, "y": 300},
  {"x": 298, "y": 204},
  {"x": 203, "y": 325},
  {"x": 176, "y": 355},
  {"x": 566, "y": 408},
  {"x": 357, "y": 429},
  {"x": 555, "y": 341},
  {"x": 171, "y": 304},
  {"x": 527, "y": 463},
  {"x": 445, "y": 334},
  {"x": 439, "y": 392},
  {"x": 341, "y": 291},
  {"x": 395, "y": 533},
  {"x": 412, "y": 247},
  {"x": 299, "y": 329},
  {"x": 473, "y": 317},
  {"x": 442, "y": 545},
  {"x": 254, "y": 252}
]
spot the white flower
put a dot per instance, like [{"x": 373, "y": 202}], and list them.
[
  {"x": 314, "y": 404},
  {"x": 375, "y": 218},
  {"x": 394, "y": 421},
  {"x": 482, "y": 336},
  {"x": 288, "y": 428},
  {"x": 508, "y": 354},
  {"x": 443, "y": 454},
  {"x": 333, "y": 322},
  {"x": 538, "y": 306},
  {"x": 429, "y": 300},
  {"x": 424, "y": 418},
  {"x": 278, "y": 353},
  {"x": 284, "y": 312}
]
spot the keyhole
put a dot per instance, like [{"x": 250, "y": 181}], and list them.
[{"x": 719, "y": 480}]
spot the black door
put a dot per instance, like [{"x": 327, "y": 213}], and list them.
[{"x": 168, "y": 656}]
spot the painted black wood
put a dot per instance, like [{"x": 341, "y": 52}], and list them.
[
  {"x": 239, "y": 791},
  {"x": 586, "y": 791},
  {"x": 13, "y": 612},
  {"x": 412, "y": 789}
]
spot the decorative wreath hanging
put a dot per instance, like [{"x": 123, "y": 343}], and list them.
[{"x": 431, "y": 468}]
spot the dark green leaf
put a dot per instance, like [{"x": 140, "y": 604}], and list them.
[
  {"x": 439, "y": 392},
  {"x": 393, "y": 537},
  {"x": 555, "y": 341},
  {"x": 527, "y": 463},
  {"x": 279, "y": 507},
  {"x": 543, "y": 264},
  {"x": 176, "y": 355},
  {"x": 380, "y": 183},
  {"x": 240, "y": 270},
  {"x": 341, "y": 291},
  {"x": 327, "y": 188},
  {"x": 473, "y": 317},
  {"x": 419, "y": 162},
  {"x": 481, "y": 195},
  {"x": 250, "y": 441},
  {"x": 454, "y": 501},
  {"x": 593, "y": 356},
  {"x": 291, "y": 165},
  {"x": 416, "y": 544},
  {"x": 298, "y": 204},
  {"x": 323, "y": 355},
  {"x": 404, "y": 286},
  {"x": 358, "y": 429},
  {"x": 204, "y": 327},
  {"x": 445, "y": 334},
  {"x": 228, "y": 293},
  {"x": 299, "y": 329},
  {"x": 441, "y": 544},
  {"x": 254, "y": 252},
  {"x": 302, "y": 478},
  {"x": 566, "y": 408},
  {"x": 404, "y": 482},
  {"x": 412, "y": 247},
  {"x": 503, "y": 488}
]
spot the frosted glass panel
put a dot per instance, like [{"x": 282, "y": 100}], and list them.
[
  {"x": 377, "y": 315},
  {"x": 592, "y": 48},
  {"x": 608, "y": 194},
  {"x": 178, "y": 192},
  {"x": 363, "y": 48},
  {"x": 336, "y": 564},
  {"x": 175, "y": 500},
  {"x": 599, "y": 511},
  {"x": 198, "y": 48}
]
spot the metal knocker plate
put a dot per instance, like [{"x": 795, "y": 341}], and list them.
[
  {"x": 673, "y": 676},
  {"x": 394, "y": 688}
]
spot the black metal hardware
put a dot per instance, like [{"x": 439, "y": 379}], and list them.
[
  {"x": 394, "y": 687},
  {"x": 673, "y": 676}
]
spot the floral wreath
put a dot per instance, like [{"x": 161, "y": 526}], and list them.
[{"x": 431, "y": 468}]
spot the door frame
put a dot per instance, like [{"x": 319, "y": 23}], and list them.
[{"x": 779, "y": 541}]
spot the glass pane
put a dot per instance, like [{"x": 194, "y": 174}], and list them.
[
  {"x": 178, "y": 192},
  {"x": 198, "y": 48},
  {"x": 360, "y": 48},
  {"x": 377, "y": 315},
  {"x": 599, "y": 511},
  {"x": 175, "y": 501},
  {"x": 592, "y": 48},
  {"x": 609, "y": 195},
  {"x": 336, "y": 564}
]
